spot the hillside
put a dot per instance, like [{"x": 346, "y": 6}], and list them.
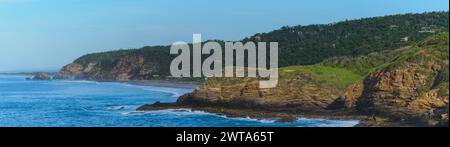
[
  {"x": 410, "y": 84},
  {"x": 299, "y": 45}
]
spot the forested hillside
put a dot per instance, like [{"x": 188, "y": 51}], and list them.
[{"x": 303, "y": 45}]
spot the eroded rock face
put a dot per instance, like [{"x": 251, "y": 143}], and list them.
[
  {"x": 409, "y": 92},
  {"x": 348, "y": 100},
  {"x": 122, "y": 69}
]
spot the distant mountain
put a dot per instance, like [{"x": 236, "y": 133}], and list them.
[{"x": 299, "y": 45}]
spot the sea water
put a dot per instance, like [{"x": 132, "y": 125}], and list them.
[{"x": 60, "y": 103}]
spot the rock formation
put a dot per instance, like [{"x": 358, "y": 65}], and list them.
[{"x": 41, "y": 76}]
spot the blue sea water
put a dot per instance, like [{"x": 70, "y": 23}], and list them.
[{"x": 107, "y": 104}]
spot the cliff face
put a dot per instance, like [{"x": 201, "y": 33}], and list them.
[
  {"x": 412, "y": 84},
  {"x": 122, "y": 69},
  {"x": 408, "y": 92},
  {"x": 297, "y": 94},
  {"x": 415, "y": 89}
]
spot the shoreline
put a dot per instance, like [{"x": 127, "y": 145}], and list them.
[{"x": 283, "y": 117}]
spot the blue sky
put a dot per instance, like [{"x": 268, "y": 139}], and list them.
[{"x": 47, "y": 34}]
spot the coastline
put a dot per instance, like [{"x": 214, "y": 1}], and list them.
[
  {"x": 287, "y": 115},
  {"x": 283, "y": 117},
  {"x": 260, "y": 112}
]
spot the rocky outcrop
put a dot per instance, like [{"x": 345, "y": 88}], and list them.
[
  {"x": 71, "y": 71},
  {"x": 296, "y": 94},
  {"x": 405, "y": 93},
  {"x": 41, "y": 76},
  {"x": 413, "y": 87}
]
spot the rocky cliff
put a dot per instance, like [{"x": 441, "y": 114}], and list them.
[
  {"x": 407, "y": 85},
  {"x": 413, "y": 87},
  {"x": 126, "y": 68},
  {"x": 139, "y": 64}
]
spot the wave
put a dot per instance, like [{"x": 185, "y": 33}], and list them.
[
  {"x": 185, "y": 111},
  {"x": 261, "y": 120},
  {"x": 176, "y": 92},
  {"x": 134, "y": 113},
  {"x": 181, "y": 111},
  {"x": 317, "y": 122},
  {"x": 302, "y": 122}
]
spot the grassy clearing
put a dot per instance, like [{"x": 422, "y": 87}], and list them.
[{"x": 325, "y": 75}]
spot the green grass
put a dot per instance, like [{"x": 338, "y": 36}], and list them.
[
  {"x": 325, "y": 75},
  {"x": 443, "y": 89}
]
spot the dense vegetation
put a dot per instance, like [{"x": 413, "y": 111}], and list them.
[
  {"x": 303, "y": 45},
  {"x": 306, "y": 45}
]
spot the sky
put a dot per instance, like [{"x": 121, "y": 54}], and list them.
[{"x": 44, "y": 35}]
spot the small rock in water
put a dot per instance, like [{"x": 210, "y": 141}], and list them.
[{"x": 286, "y": 120}]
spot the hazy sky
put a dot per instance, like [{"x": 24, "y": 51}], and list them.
[{"x": 47, "y": 34}]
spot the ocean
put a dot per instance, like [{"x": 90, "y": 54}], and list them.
[{"x": 61, "y": 103}]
